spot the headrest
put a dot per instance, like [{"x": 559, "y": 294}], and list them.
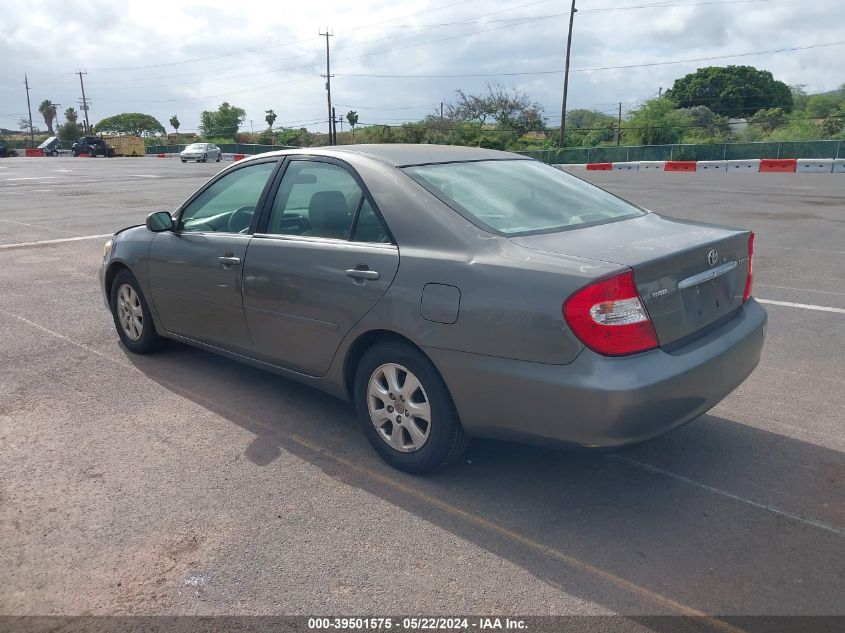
[{"x": 328, "y": 212}]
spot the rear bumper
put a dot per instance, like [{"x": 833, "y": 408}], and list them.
[{"x": 598, "y": 400}]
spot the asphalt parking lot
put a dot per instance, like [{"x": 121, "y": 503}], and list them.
[{"x": 184, "y": 483}]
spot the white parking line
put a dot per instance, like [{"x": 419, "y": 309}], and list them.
[
  {"x": 31, "y": 178},
  {"x": 805, "y": 306},
  {"x": 57, "y": 241},
  {"x": 822, "y": 292},
  {"x": 730, "y": 495},
  {"x": 36, "y": 226}
]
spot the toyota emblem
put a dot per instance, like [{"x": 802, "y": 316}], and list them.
[{"x": 712, "y": 257}]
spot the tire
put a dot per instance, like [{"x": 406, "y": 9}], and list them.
[
  {"x": 205, "y": 158},
  {"x": 184, "y": 161},
  {"x": 148, "y": 340},
  {"x": 444, "y": 438},
  {"x": 54, "y": 153},
  {"x": 219, "y": 157}
]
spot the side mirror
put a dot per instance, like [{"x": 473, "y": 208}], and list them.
[{"x": 159, "y": 221}]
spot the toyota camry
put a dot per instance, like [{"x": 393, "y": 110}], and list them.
[{"x": 448, "y": 292}]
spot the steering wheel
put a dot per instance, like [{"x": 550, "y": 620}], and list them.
[{"x": 240, "y": 219}]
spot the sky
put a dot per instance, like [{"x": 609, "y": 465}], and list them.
[{"x": 392, "y": 61}]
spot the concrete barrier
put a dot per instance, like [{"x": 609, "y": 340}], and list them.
[
  {"x": 679, "y": 165},
  {"x": 839, "y": 166},
  {"x": 778, "y": 165},
  {"x": 814, "y": 165},
  {"x": 712, "y": 166},
  {"x": 599, "y": 166},
  {"x": 652, "y": 165},
  {"x": 744, "y": 165},
  {"x": 238, "y": 156},
  {"x": 626, "y": 166},
  {"x": 33, "y": 152}
]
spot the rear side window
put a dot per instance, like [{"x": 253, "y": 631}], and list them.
[
  {"x": 519, "y": 197},
  {"x": 315, "y": 199}
]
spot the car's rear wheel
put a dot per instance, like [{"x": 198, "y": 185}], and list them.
[
  {"x": 405, "y": 408},
  {"x": 131, "y": 314}
]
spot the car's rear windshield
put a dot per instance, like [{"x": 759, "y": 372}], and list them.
[{"x": 518, "y": 197}]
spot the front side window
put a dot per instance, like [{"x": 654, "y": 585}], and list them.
[
  {"x": 517, "y": 197},
  {"x": 229, "y": 204},
  {"x": 315, "y": 199}
]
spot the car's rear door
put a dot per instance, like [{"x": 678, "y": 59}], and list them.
[
  {"x": 195, "y": 272},
  {"x": 321, "y": 259}
]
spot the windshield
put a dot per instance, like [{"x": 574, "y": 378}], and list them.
[
  {"x": 196, "y": 146},
  {"x": 517, "y": 197}
]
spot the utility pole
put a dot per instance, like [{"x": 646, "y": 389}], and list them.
[
  {"x": 334, "y": 126},
  {"x": 441, "y": 113},
  {"x": 328, "y": 77},
  {"x": 619, "y": 126},
  {"x": 87, "y": 128},
  {"x": 29, "y": 108},
  {"x": 562, "y": 141}
]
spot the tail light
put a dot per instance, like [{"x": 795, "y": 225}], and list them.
[
  {"x": 609, "y": 317},
  {"x": 750, "y": 277}
]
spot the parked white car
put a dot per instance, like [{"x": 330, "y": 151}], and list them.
[{"x": 201, "y": 152}]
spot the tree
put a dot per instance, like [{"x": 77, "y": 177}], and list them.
[
  {"x": 270, "y": 118},
  {"x": 509, "y": 108},
  {"x": 135, "y": 123},
  {"x": 352, "y": 117},
  {"x": 71, "y": 130},
  {"x": 174, "y": 123},
  {"x": 23, "y": 124},
  {"x": 735, "y": 91},
  {"x": 48, "y": 111},
  {"x": 656, "y": 122},
  {"x": 224, "y": 121},
  {"x": 768, "y": 120}
]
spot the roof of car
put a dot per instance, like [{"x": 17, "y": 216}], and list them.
[{"x": 406, "y": 154}]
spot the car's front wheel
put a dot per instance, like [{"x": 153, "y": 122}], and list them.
[
  {"x": 405, "y": 408},
  {"x": 131, "y": 314},
  {"x": 205, "y": 158}
]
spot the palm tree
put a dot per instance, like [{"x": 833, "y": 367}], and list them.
[
  {"x": 352, "y": 117},
  {"x": 48, "y": 111},
  {"x": 174, "y": 122},
  {"x": 270, "y": 118},
  {"x": 71, "y": 115}
]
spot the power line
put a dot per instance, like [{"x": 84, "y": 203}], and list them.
[{"x": 581, "y": 70}]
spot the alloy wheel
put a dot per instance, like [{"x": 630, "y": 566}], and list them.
[
  {"x": 399, "y": 407},
  {"x": 130, "y": 315}
]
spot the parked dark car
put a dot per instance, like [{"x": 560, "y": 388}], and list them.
[
  {"x": 6, "y": 151},
  {"x": 449, "y": 292},
  {"x": 93, "y": 146}
]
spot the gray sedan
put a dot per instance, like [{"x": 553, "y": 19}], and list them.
[
  {"x": 201, "y": 152},
  {"x": 448, "y": 292}
]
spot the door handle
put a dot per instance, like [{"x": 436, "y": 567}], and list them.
[
  {"x": 357, "y": 273},
  {"x": 229, "y": 261}
]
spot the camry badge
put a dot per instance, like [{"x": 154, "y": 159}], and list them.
[{"x": 713, "y": 257}]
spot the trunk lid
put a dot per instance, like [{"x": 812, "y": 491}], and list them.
[{"x": 689, "y": 275}]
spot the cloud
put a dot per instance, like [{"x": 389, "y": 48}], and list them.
[{"x": 181, "y": 57}]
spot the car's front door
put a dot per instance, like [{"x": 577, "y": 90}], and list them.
[
  {"x": 195, "y": 271},
  {"x": 320, "y": 260}
]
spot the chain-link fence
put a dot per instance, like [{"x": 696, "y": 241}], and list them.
[{"x": 721, "y": 151}]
